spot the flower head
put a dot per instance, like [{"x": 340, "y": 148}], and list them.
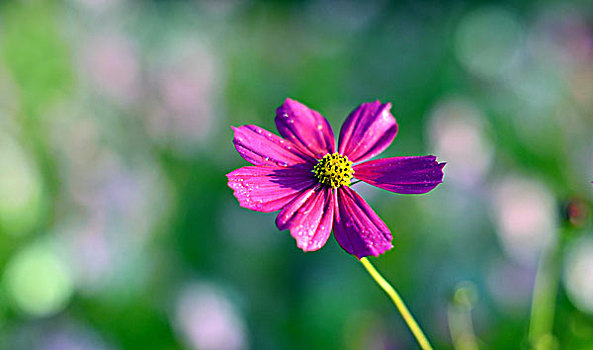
[{"x": 303, "y": 176}]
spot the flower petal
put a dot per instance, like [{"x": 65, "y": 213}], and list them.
[
  {"x": 408, "y": 175},
  {"x": 367, "y": 131},
  {"x": 305, "y": 127},
  {"x": 261, "y": 147},
  {"x": 356, "y": 226},
  {"x": 268, "y": 189},
  {"x": 309, "y": 218}
]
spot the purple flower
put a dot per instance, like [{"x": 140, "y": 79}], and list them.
[{"x": 304, "y": 177}]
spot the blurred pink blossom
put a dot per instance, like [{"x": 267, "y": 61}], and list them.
[
  {"x": 525, "y": 216},
  {"x": 456, "y": 132},
  {"x": 208, "y": 320},
  {"x": 188, "y": 84},
  {"x": 111, "y": 62}
]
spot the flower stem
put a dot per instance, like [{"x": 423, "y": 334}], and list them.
[
  {"x": 544, "y": 299},
  {"x": 460, "y": 319},
  {"x": 461, "y": 329},
  {"x": 399, "y": 304}
]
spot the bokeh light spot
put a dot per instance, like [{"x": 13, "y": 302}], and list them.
[
  {"x": 20, "y": 188},
  {"x": 578, "y": 274},
  {"x": 487, "y": 41},
  {"x": 208, "y": 320},
  {"x": 526, "y": 218},
  {"x": 38, "y": 281},
  {"x": 456, "y": 131}
]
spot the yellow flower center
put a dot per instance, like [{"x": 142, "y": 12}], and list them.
[{"x": 334, "y": 170}]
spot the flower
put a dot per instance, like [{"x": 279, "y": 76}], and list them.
[{"x": 303, "y": 176}]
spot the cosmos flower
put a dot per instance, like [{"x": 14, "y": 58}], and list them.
[{"x": 303, "y": 176}]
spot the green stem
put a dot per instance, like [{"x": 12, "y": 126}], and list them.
[
  {"x": 460, "y": 319},
  {"x": 461, "y": 329},
  {"x": 544, "y": 298},
  {"x": 399, "y": 304}
]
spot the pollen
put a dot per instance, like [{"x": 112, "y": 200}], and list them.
[{"x": 334, "y": 170}]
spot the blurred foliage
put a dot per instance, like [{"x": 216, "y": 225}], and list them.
[{"x": 117, "y": 229}]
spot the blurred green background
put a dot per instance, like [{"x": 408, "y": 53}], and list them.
[{"x": 117, "y": 229}]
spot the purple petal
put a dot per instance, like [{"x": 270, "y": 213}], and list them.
[
  {"x": 305, "y": 127},
  {"x": 268, "y": 189},
  {"x": 309, "y": 218},
  {"x": 367, "y": 131},
  {"x": 409, "y": 175},
  {"x": 261, "y": 147},
  {"x": 357, "y": 228}
]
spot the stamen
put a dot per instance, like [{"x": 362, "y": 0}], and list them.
[{"x": 334, "y": 170}]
